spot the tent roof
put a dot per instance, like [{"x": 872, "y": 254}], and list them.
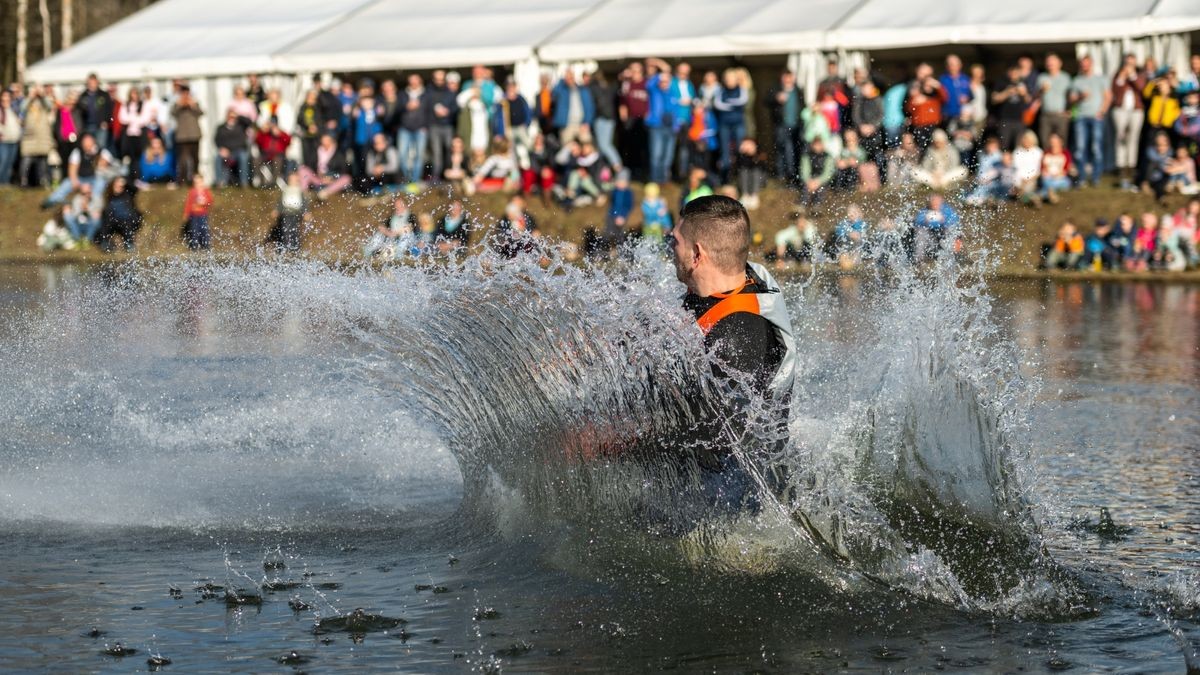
[
  {"x": 185, "y": 38},
  {"x": 881, "y": 24},
  {"x": 402, "y": 34},
  {"x": 192, "y": 38},
  {"x": 624, "y": 28}
]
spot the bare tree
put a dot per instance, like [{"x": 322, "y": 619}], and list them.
[
  {"x": 44, "y": 11},
  {"x": 68, "y": 23},
  {"x": 22, "y": 38}
]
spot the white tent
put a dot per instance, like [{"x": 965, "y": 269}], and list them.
[
  {"x": 193, "y": 38},
  {"x": 627, "y": 28},
  {"x": 395, "y": 34},
  {"x": 883, "y": 24}
]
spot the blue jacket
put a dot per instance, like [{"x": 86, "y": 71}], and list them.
[
  {"x": 955, "y": 87},
  {"x": 926, "y": 218},
  {"x": 663, "y": 109},
  {"x": 561, "y": 98},
  {"x": 519, "y": 115},
  {"x": 730, "y": 105},
  {"x": 366, "y": 125}
]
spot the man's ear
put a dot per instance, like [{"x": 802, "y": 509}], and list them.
[{"x": 698, "y": 252}]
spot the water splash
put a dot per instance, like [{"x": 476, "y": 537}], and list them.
[{"x": 196, "y": 392}]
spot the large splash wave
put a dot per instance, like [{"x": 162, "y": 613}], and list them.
[{"x": 560, "y": 390}]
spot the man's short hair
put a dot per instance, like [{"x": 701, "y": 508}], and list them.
[{"x": 723, "y": 226}]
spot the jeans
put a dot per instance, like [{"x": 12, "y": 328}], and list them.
[
  {"x": 785, "y": 152},
  {"x": 730, "y": 134},
  {"x": 412, "y": 153},
  {"x": 64, "y": 190},
  {"x": 662, "y": 151},
  {"x": 440, "y": 136},
  {"x": 1055, "y": 184},
  {"x": 1128, "y": 131},
  {"x": 83, "y": 227},
  {"x": 1089, "y": 147},
  {"x": 39, "y": 164},
  {"x": 8, "y": 157},
  {"x": 196, "y": 235},
  {"x": 223, "y": 173},
  {"x": 603, "y": 129}
]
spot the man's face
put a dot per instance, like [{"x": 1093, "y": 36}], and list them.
[
  {"x": 683, "y": 71},
  {"x": 788, "y": 80},
  {"x": 684, "y": 257}
]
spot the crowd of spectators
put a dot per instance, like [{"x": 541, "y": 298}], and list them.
[
  {"x": 1151, "y": 241},
  {"x": 1033, "y": 134}
]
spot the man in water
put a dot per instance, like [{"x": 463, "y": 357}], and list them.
[{"x": 746, "y": 327}]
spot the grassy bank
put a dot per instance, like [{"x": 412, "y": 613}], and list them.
[{"x": 241, "y": 218}]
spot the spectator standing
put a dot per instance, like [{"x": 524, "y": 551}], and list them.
[
  {"x": 443, "y": 110},
  {"x": 309, "y": 125},
  {"x": 573, "y": 110},
  {"x": 95, "y": 108},
  {"x": 634, "y": 104},
  {"x": 1128, "y": 114},
  {"x": 785, "y": 101},
  {"x": 684, "y": 93},
  {"x": 196, "y": 208},
  {"x": 1162, "y": 106},
  {"x": 662, "y": 126},
  {"x": 474, "y": 114},
  {"x": 10, "y": 136},
  {"x": 134, "y": 118},
  {"x": 1010, "y": 98},
  {"x": 365, "y": 125},
  {"x": 750, "y": 168},
  {"x": 1052, "y": 88},
  {"x": 245, "y": 107},
  {"x": 979, "y": 95},
  {"x": 37, "y": 137},
  {"x": 331, "y": 109},
  {"x": 273, "y": 107},
  {"x": 416, "y": 112},
  {"x": 895, "y": 116},
  {"x": 867, "y": 116},
  {"x": 924, "y": 105},
  {"x": 187, "y": 113},
  {"x": 1091, "y": 94},
  {"x": 957, "y": 86},
  {"x": 619, "y": 207},
  {"x": 730, "y": 107},
  {"x": 604, "y": 126},
  {"x": 233, "y": 152},
  {"x": 512, "y": 120}
]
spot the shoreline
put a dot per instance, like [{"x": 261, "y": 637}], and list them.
[{"x": 89, "y": 259}]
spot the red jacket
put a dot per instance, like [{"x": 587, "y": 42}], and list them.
[
  {"x": 271, "y": 145},
  {"x": 928, "y": 112}
]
